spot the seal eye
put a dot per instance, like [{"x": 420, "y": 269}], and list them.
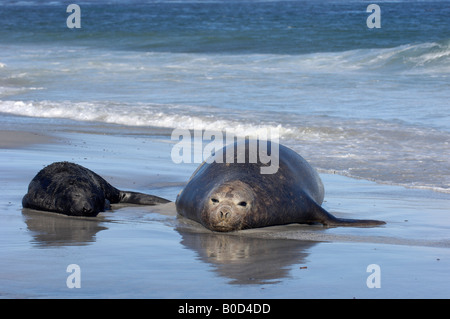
[
  {"x": 214, "y": 200},
  {"x": 243, "y": 204}
]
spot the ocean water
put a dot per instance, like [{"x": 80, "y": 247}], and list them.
[{"x": 366, "y": 103}]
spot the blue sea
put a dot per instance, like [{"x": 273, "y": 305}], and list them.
[{"x": 369, "y": 103}]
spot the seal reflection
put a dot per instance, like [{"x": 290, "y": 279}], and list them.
[
  {"x": 244, "y": 259},
  {"x": 49, "y": 229}
]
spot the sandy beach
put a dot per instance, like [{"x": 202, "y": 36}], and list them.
[
  {"x": 149, "y": 252},
  {"x": 362, "y": 95}
]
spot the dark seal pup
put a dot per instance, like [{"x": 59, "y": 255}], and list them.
[
  {"x": 232, "y": 196},
  {"x": 71, "y": 189}
]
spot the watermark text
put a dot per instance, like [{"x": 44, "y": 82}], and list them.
[
  {"x": 374, "y": 279},
  {"x": 206, "y": 145},
  {"x": 374, "y": 19},
  {"x": 74, "y": 279},
  {"x": 74, "y": 19}
]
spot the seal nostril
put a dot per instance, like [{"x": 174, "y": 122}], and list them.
[
  {"x": 87, "y": 210},
  {"x": 224, "y": 215}
]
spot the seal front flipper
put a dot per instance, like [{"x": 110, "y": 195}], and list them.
[
  {"x": 140, "y": 198},
  {"x": 329, "y": 220}
]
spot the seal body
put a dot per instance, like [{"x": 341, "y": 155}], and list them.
[
  {"x": 72, "y": 189},
  {"x": 233, "y": 196}
]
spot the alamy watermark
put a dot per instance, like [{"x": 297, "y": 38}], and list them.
[
  {"x": 374, "y": 19},
  {"x": 374, "y": 279},
  {"x": 74, "y": 279},
  {"x": 74, "y": 19},
  {"x": 201, "y": 145}
]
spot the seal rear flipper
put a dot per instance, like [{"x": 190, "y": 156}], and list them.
[
  {"x": 354, "y": 222},
  {"x": 329, "y": 220},
  {"x": 141, "y": 199}
]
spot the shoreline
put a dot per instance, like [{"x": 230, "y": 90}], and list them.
[{"x": 28, "y": 134}]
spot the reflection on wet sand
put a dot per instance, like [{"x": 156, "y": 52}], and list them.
[
  {"x": 245, "y": 259},
  {"x": 50, "y": 229}
]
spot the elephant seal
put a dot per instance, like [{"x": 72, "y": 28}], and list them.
[
  {"x": 74, "y": 190},
  {"x": 233, "y": 196}
]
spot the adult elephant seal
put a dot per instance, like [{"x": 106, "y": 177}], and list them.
[
  {"x": 72, "y": 189},
  {"x": 233, "y": 196}
]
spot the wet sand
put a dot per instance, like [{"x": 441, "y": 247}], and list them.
[
  {"x": 16, "y": 139},
  {"x": 149, "y": 252}
]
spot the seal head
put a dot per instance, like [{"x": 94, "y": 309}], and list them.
[
  {"x": 80, "y": 197},
  {"x": 228, "y": 206}
]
